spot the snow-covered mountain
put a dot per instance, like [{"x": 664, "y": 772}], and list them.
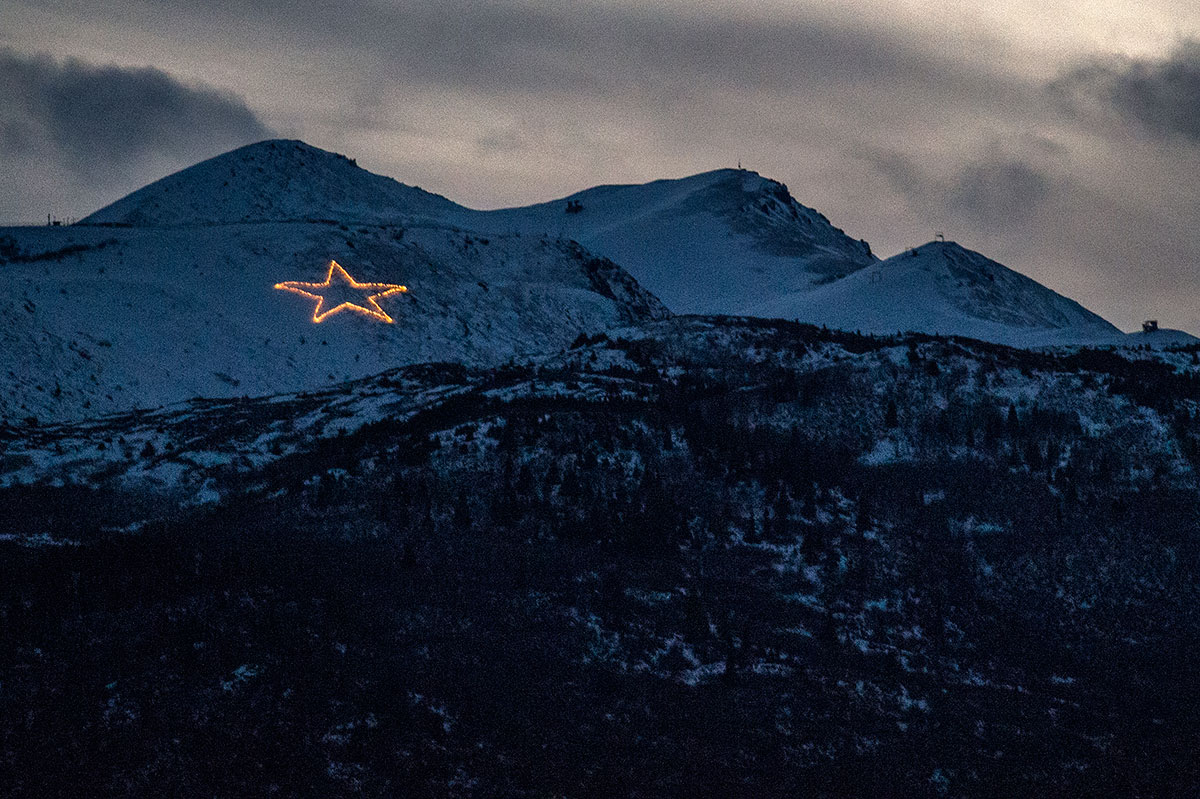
[
  {"x": 733, "y": 242},
  {"x": 944, "y": 288},
  {"x": 96, "y": 320},
  {"x": 169, "y": 293},
  {"x": 721, "y": 242},
  {"x": 272, "y": 181}
]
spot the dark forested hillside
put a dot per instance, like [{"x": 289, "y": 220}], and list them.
[{"x": 712, "y": 557}]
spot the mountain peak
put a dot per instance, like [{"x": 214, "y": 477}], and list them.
[
  {"x": 723, "y": 241},
  {"x": 962, "y": 263},
  {"x": 281, "y": 149},
  {"x": 270, "y": 181},
  {"x": 951, "y": 248},
  {"x": 944, "y": 288}
]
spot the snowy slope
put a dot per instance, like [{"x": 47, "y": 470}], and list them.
[
  {"x": 1158, "y": 339},
  {"x": 96, "y": 320},
  {"x": 277, "y": 180},
  {"x": 943, "y": 288},
  {"x": 719, "y": 242},
  {"x": 726, "y": 242}
]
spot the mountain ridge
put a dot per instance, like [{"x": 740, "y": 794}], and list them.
[
  {"x": 739, "y": 237},
  {"x": 944, "y": 288},
  {"x": 742, "y": 236},
  {"x": 726, "y": 241},
  {"x": 277, "y": 180}
]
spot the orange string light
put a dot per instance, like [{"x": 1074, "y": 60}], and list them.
[{"x": 337, "y": 274}]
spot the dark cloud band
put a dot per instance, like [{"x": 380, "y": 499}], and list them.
[
  {"x": 107, "y": 115},
  {"x": 1161, "y": 96}
]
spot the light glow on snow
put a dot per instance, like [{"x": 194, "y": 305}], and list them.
[{"x": 338, "y": 279}]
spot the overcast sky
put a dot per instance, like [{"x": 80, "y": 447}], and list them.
[{"x": 1062, "y": 139}]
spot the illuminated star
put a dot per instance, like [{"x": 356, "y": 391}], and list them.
[{"x": 340, "y": 292}]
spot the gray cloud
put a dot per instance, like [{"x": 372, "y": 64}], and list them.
[
  {"x": 1161, "y": 96},
  {"x": 1003, "y": 192},
  {"x": 624, "y": 52},
  {"x": 518, "y": 47},
  {"x": 75, "y": 136},
  {"x": 107, "y": 115},
  {"x": 996, "y": 190}
]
